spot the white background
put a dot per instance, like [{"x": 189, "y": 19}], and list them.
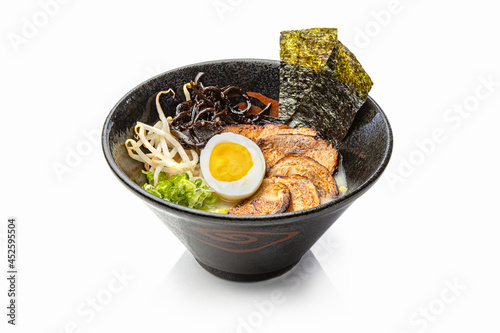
[{"x": 418, "y": 253}]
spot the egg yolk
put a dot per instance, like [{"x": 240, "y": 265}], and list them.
[{"x": 229, "y": 161}]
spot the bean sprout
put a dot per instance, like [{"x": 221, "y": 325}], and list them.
[{"x": 162, "y": 151}]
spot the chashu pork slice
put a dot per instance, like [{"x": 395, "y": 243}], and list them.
[
  {"x": 275, "y": 147},
  {"x": 256, "y": 132},
  {"x": 309, "y": 168},
  {"x": 304, "y": 193},
  {"x": 270, "y": 198}
]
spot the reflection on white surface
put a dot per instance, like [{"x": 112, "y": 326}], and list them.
[{"x": 304, "y": 297}]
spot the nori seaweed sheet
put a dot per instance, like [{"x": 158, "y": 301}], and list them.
[
  {"x": 302, "y": 54},
  {"x": 320, "y": 88},
  {"x": 295, "y": 46}
]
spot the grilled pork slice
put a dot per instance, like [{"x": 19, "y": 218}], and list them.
[
  {"x": 303, "y": 191},
  {"x": 270, "y": 198},
  {"x": 309, "y": 168},
  {"x": 277, "y": 146},
  {"x": 255, "y": 132}
]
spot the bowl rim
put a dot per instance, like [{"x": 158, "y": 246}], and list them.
[{"x": 338, "y": 203}]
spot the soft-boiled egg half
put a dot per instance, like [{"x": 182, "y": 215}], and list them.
[{"x": 232, "y": 165}]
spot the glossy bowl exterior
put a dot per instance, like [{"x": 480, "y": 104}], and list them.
[{"x": 245, "y": 248}]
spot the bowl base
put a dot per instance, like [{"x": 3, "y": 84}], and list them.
[{"x": 246, "y": 277}]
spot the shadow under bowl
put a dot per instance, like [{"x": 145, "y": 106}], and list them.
[{"x": 244, "y": 248}]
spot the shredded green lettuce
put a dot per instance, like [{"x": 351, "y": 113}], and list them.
[{"x": 183, "y": 189}]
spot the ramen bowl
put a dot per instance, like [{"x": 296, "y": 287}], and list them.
[{"x": 244, "y": 247}]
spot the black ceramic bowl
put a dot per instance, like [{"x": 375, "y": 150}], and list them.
[{"x": 245, "y": 248}]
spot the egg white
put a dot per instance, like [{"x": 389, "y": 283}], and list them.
[{"x": 243, "y": 187}]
